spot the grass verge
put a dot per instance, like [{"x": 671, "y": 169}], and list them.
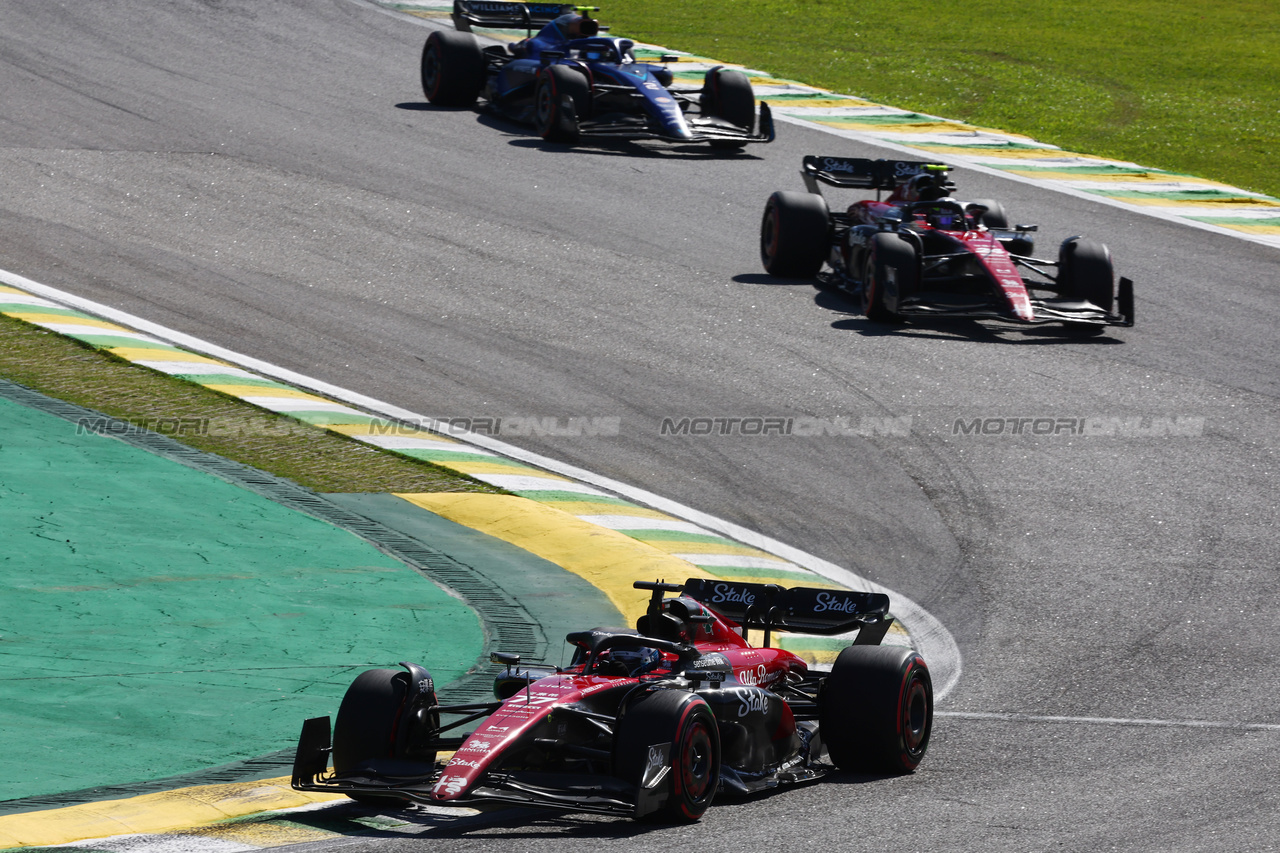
[
  {"x": 1187, "y": 87},
  {"x": 317, "y": 459}
]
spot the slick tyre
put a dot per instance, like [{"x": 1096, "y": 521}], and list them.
[
  {"x": 795, "y": 234},
  {"x": 1085, "y": 272},
  {"x": 682, "y": 723},
  {"x": 892, "y": 273},
  {"x": 562, "y": 96},
  {"x": 996, "y": 218},
  {"x": 364, "y": 732},
  {"x": 453, "y": 69},
  {"x": 726, "y": 94},
  {"x": 875, "y": 712}
]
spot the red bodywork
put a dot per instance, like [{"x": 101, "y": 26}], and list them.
[
  {"x": 983, "y": 245},
  {"x": 758, "y": 667}
]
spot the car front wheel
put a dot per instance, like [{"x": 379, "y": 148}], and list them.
[
  {"x": 683, "y": 724},
  {"x": 891, "y": 274},
  {"x": 453, "y": 69},
  {"x": 561, "y": 99},
  {"x": 794, "y": 234}
]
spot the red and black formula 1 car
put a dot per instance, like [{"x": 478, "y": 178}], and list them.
[
  {"x": 646, "y": 722},
  {"x": 921, "y": 253}
]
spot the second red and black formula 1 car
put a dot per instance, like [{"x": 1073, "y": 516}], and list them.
[
  {"x": 920, "y": 253},
  {"x": 571, "y": 82},
  {"x": 651, "y": 721}
]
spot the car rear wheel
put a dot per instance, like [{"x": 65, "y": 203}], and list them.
[
  {"x": 453, "y": 69},
  {"x": 875, "y": 712},
  {"x": 561, "y": 98},
  {"x": 794, "y": 234},
  {"x": 890, "y": 276},
  {"x": 727, "y": 94},
  {"x": 684, "y": 723}
]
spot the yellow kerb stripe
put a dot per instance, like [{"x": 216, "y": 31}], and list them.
[
  {"x": 608, "y": 560},
  {"x": 152, "y": 813}
]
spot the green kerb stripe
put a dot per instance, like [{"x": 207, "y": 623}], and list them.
[
  {"x": 24, "y": 308},
  {"x": 987, "y": 146},
  {"x": 106, "y": 340},
  {"x": 895, "y": 118},
  {"x": 763, "y": 575},
  {"x": 1090, "y": 170},
  {"x": 431, "y": 454},
  {"x": 330, "y": 418},
  {"x": 1186, "y": 195},
  {"x": 226, "y": 379},
  {"x": 550, "y": 496},
  {"x": 798, "y": 98},
  {"x": 1268, "y": 221}
]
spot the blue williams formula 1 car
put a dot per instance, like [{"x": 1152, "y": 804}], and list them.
[
  {"x": 651, "y": 721},
  {"x": 570, "y": 82}
]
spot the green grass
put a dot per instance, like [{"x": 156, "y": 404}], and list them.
[
  {"x": 317, "y": 459},
  {"x": 1189, "y": 87}
]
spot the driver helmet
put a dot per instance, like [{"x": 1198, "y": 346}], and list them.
[
  {"x": 926, "y": 187},
  {"x": 634, "y": 662},
  {"x": 944, "y": 218}
]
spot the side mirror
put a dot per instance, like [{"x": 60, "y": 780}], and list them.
[{"x": 506, "y": 658}]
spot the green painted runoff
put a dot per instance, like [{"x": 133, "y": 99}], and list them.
[{"x": 157, "y": 620}]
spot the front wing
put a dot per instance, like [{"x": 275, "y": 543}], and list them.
[
  {"x": 641, "y": 126},
  {"x": 413, "y": 782},
  {"x": 942, "y": 306}
]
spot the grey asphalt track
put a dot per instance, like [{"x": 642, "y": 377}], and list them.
[{"x": 268, "y": 177}]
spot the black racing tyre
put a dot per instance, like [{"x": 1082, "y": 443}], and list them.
[
  {"x": 686, "y": 722},
  {"x": 996, "y": 218},
  {"x": 366, "y": 725},
  {"x": 795, "y": 234},
  {"x": 561, "y": 98},
  {"x": 892, "y": 271},
  {"x": 875, "y": 711},
  {"x": 1085, "y": 272},
  {"x": 727, "y": 94},
  {"x": 453, "y": 69},
  {"x": 366, "y": 721}
]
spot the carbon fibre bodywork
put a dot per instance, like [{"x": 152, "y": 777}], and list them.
[
  {"x": 920, "y": 253},
  {"x": 655, "y": 719},
  {"x": 606, "y": 92}
]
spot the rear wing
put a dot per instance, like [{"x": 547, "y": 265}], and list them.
[
  {"x": 859, "y": 173},
  {"x": 768, "y": 607},
  {"x": 501, "y": 15}
]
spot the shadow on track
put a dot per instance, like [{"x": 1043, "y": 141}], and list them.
[
  {"x": 524, "y": 137},
  {"x": 840, "y": 302}
]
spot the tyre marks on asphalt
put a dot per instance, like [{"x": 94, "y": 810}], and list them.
[
  {"x": 573, "y": 517},
  {"x": 1200, "y": 202}
]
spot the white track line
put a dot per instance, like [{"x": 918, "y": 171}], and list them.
[
  {"x": 1110, "y": 721},
  {"x": 932, "y": 639}
]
